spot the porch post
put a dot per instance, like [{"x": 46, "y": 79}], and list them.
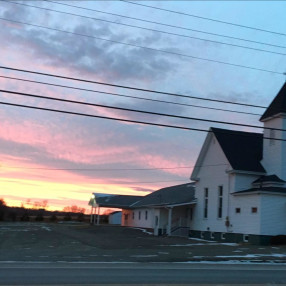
[
  {"x": 98, "y": 215},
  {"x": 94, "y": 215},
  {"x": 91, "y": 214},
  {"x": 169, "y": 221}
]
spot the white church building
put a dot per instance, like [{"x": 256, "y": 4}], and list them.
[
  {"x": 239, "y": 189},
  {"x": 240, "y": 181}
]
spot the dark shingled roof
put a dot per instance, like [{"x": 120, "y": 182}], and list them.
[
  {"x": 264, "y": 189},
  {"x": 278, "y": 105},
  {"x": 270, "y": 178},
  {"x": 117, "y": 201},
  {"x": 243, "y": 150},
  {"x": 168, "y": 196}
]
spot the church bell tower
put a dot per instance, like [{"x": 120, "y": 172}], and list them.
[{"x": 274, "y": 151}]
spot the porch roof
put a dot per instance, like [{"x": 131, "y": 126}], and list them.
[
  {"x": 117, "y": 201},
  {"x": 171, "y": 196}
]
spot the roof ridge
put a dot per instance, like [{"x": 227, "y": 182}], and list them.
[{"x": 235, "y": 131}]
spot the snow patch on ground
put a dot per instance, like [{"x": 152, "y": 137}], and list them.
[
  {"x": 200, "y": 239},
  {"x": 16, "y": 230},
  {"x": 277, "y": 255},
  {"x": 147, "y": 255},
  {"x": 229, "y": 244},
  {"x": 202, "y": 244},
  {"x": 256, "y": 262},
  {"x": 143, "y": 230}
]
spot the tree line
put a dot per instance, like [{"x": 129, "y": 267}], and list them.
[{"x": 37, "y": 211}]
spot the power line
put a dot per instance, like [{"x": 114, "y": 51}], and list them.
[
  {"x": 110, "y": 169},
  {"x": 136, "y": 110},
  {"x": 130, "y": 96},
  {"x": 152, "y": 30},
  {"x": 129, "y": 87},
  {"x": 206, "y": 18},
  {"x": 143, "y": 47},
  {"x": 132, "y": 183},
  {"x": 127, "y": 120},
  {"x": 168, "y": 25}
]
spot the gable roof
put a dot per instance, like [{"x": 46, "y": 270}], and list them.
[
  {"x": 117, "y": 201},
  {"x": 179, "y": 194},
  {"x": 269, "y": 178},
  {"x": 278, "y": 105},
  {"x": 243, "y": 150}
]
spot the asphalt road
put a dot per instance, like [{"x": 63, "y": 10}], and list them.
[{"x": 139, "y": 273}]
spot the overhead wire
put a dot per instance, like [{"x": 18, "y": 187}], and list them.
[
  {"x": 129, "y": 87},
  {"x": 131, "y": 96},
  {"x": 133, "y": 121},
  {"x": 205, "y": 18},
  {"x": 144, "y": 47},
  {"x": 151, "y": 182},
  {"x": 137, "y": 110},
  {"x": 149, "y": 29},
  {"x": 111, "y": 169},
  {"x": 166, "y": 25}
]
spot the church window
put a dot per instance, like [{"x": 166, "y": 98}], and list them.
[
  {"x": 206, "y": 201},
  {"x": 254, "y": 210},
  {"x": 272, "y": 137},
  {"x": 220, "y": 200}
]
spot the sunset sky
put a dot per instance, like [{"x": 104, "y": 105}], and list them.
[{"x": 64, "y": 158}]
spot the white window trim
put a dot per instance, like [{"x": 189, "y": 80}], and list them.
[{"x": 245, "y": 238}]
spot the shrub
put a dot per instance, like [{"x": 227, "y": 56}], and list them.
[
  {"x": 12, "y": 216},
  {"x": 53, "y": 218},
  {"x": 25, "y": 217},
  {"x": 67, "y": 217},
  {"x": 39, "y": 217},
  {"x": 80, "y": 217},
  {"x": 2, "y": 215}
]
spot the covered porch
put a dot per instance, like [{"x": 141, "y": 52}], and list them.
[{"x": 174, "y": 219}]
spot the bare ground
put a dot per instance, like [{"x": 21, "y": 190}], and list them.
[{"x": 84, "y": 243}]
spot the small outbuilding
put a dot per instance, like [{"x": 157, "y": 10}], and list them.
[{"x": 115, "y": 218}]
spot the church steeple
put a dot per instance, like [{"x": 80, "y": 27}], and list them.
[
  {"x": 277, "y": 106},
  {"x": 274, "y": 151}
]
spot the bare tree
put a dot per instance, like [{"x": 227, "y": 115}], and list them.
[
  {"x": 44, "y": 204},
  {"x": 2, "y": 203},
  {"x": 74, "y": 209}
]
